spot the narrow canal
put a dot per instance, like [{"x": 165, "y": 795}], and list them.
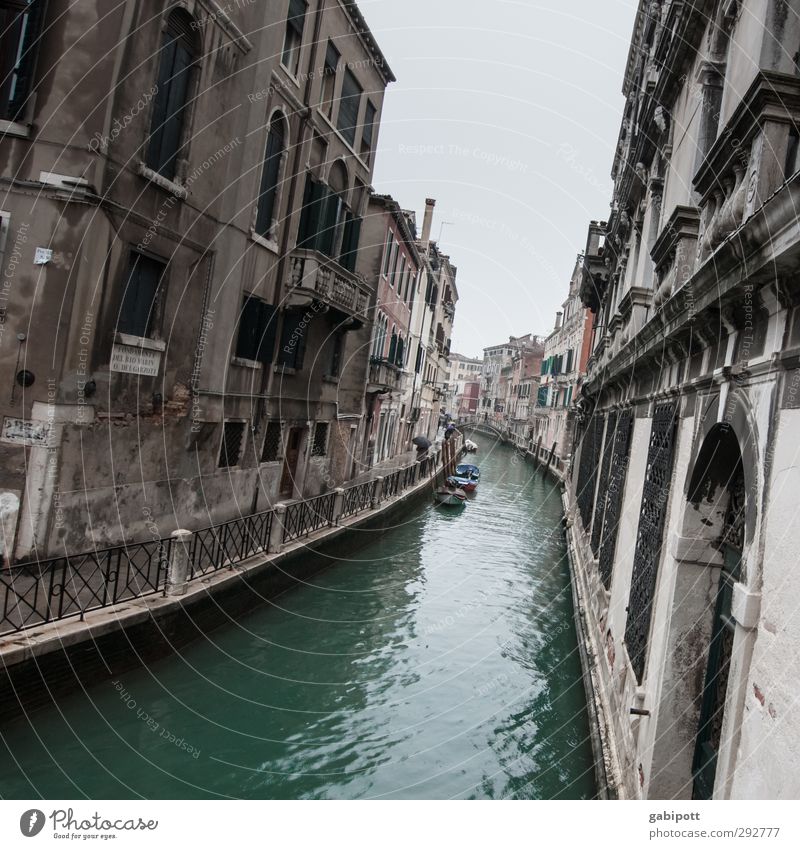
[{"x": 440, "y": 661}]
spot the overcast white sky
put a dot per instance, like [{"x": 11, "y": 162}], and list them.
[{"x": 507, "y": 112}]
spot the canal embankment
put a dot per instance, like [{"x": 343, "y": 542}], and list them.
[
  {"x": 204, "y": 585},
  {"x": 438, "y": 659}
]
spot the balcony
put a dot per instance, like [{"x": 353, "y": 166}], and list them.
[
  {"x": 313, "y": 277},
  {"x": 384, "y": 376}
]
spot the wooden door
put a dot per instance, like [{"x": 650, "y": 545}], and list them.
[{"x": 290, "y": 461}]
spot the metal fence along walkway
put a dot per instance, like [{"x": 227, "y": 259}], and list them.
[{"x": 38, "y": 592}]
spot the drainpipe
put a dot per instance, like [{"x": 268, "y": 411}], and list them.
[{"x": 267, "y": 374}]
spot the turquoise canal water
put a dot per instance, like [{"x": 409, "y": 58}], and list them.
[{"x": 439, "y": 661}]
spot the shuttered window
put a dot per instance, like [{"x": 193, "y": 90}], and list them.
[
  {"x": 329, "y": 79},
  {"x": 349, "y": 104},
  {"x": 269, "y": 179},
  {"x": 176, "y": 57},
  {"x": 369, "y": 129},
  {"x": 20, "y": 28},
  {"x": 256, "y": 337},
  {"x": 293, "y": 339},
  {"x": 350, "y": 240},
  {"x": 293, "y": 39},
  {"x": 140, "y": 297}
]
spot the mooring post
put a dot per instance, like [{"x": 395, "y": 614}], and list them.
[
  {"x": 338, "y": 505},
  {"x": 276, "y": 530},
  {"x": 552, "y": 454},
  {"x": 179, "y": 557},
  {"x": 377, "y": 493}
]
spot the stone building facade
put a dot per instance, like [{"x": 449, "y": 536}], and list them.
[
  {"x": 566, "y": 353},
  {"x": 180, "y": 229},
  {"x": 390, "y": 255},
  {"x": 683, "y": 490}
]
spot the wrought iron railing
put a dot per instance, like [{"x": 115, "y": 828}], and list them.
[
  {"x": 358, "y": 498},
  {"x": 220, "y": 545},
  {"x": 35, "y": 593},
  {"x": 304, "y": 517}
]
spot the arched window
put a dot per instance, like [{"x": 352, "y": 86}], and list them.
[
  {"x": 393, "y": 346},
  {"x": 270, "y": 177},
  {"x": 400, "y": 358},
  {"x": 179, "y": 51}
]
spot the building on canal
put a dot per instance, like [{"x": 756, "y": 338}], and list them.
[
  {"x": 463, "y": 389},
  {"x": 184, "y": 334},
  {"x": 683, "y": 489},
  {"x": 566, "y": 353},
  {"x": 390, "y": 256}
]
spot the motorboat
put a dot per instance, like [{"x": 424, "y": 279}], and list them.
[
  {"x": 466, "y": 477},
  {"x": 450, "y": 496},
  {"x": 470, "y": 447}
]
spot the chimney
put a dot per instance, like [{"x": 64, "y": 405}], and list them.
[
  {"x": 558, "y": 320},
  {"x": 427, "y": 221}
]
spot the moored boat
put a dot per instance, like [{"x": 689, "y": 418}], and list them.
[
  {"x": 450, "y": 496},
  {"x": 466, "y": 477}
]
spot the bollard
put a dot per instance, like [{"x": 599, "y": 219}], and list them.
[
  {"x": 338, "y": 505},
  {"x": 276, "y": 530},
  {"x": 178, "y": 570},
  {"x": 377, "y": 493}
]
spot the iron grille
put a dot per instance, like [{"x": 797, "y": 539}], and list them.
[
  {"x": 655, "y": 495},
  {"x": 271, "y": 450},
  {"x": 587, "y": 471},
  {"x": 602, "y": 490},
  {"x": 613, "y": 495}
]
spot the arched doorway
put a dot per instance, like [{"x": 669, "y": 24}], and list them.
[
  {"x": 722, "y": 454},
  {"x": 708, "y": 561}
]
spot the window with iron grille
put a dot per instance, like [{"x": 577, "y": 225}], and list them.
[
  {"x": 319, "y": 447},
  {"x": 271, "y": 450},
  {"x": 230, "y": 451},
  {"x": 649, "y": 538},
  {"x": 20, "y": 27}
]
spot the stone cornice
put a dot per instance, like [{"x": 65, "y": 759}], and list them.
[
  {"x": 766, "y": 245},
  {"x": 771, "y": 96},
  {"x": 684, "y": 222}
]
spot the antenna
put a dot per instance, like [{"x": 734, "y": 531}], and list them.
[{"x": 441, "y": 227}]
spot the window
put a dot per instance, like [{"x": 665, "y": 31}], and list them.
[
  {"x": 350, "y": 239},
  {"x": 271, "y": 451},
  {"x": 20, "y": 27},
  {"x": 293, "y": 339},
  {"x": 368, "y": 132},
  {"x": 337, "y": 350},
  {"x": 319, "y": 447},
  {"x": 349, "y": 103},
  {"x": 290, "y": 59},
  {"x": 140, "y": 298},
  {"x": 392, "y": 261},
  {"x": 270, "y": 176},
  {"x": 230, "y": 451},
  {"x": 179, "y": 50},
  {"x": 256, "y": 337},
  {"x": 329, "y": 79},
  {"x": 387, "y": 254}
]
